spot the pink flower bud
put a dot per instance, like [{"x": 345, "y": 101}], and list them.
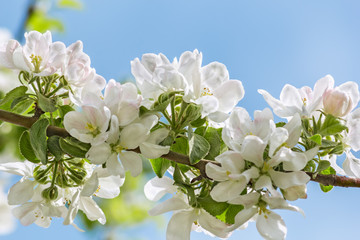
[{"x": 337, "y": 102}]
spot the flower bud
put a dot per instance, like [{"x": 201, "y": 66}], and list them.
[
  {"x": 337, "y": 103},
  {"x": 295, "y": 192},
  {"x": 50, "y": 193}
]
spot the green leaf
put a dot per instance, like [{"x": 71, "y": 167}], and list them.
[
  {"x": 212, "y": 136},
  {"x": 323, "y": 165},
  {"x": 198, "y": 148},
  {"x": 70, "y": 4},
  {"x": 23, "y": 106},
  {"x": 75, "y": 150},
  {"x": 160, "y": 107},
  {"x": 328, "y": 171},
  {"x": 26, "y": 149},
  {"x": 316, "y": 138},
  {"x": 63, "y": 110},
  {"x": 179, "y": 177},
  {"x": 326, "y": 188},
  {"x": 331, "y": 126},
  {"x": 14, "y": 94},
  {"x": 38, "y": 139},
  {"x": 40, "y": 22},
  {"x": 230, "y": 213},
  {"x": 198, "y": 122},
  {"x": 54, "y": 147},
  {"x": 280, "y": 124},
  {"x": 160, "y": 165},
  {"x": 181, "y": 145},
  {"x": 46, "y": 104},
  {"x": 212, "y": 207}
]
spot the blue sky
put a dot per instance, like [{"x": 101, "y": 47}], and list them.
[{"x": 264, "y": 43}]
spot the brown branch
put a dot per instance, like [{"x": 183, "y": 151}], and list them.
[
  {"x": 27, "y": 122},
  {"x": 334, "y": 180},
  {"x": 326, "y": 180}
]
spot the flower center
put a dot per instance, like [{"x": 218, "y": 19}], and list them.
[
  {"x": 206, "y": 92},
  {"x": 304, "y": 101},
  {"x": 92, "y": 129},
  {"x": 36, "y": 61}
]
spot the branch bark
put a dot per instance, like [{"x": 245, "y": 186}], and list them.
[{"x": 27, "y": 122}]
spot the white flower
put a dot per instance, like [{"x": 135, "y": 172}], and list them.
[
  {"x": 185, "y": 217},
  {"x": 269, "y": 224},
  {"x": 208, "y": 86},
  {"x": 353, "y": 124},
  {"x": 22, "y": 191},
  {"x": 341, "y": 100},
  {"x": 137, "y": 134},
  {"x": 351, "y": 165},
  {"x": 90, "y": 125},
  {"x": 39, "y": 54},
  {"x": 76, "y": 66},
  {"x": 7, "y": 223},
  {"x": 304, "y": 101},
  {"x": 123, "y": 101},
  {"x": 239, "y": 125}
]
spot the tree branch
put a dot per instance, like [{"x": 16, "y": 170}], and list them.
[{"x": 27, "y": 122}]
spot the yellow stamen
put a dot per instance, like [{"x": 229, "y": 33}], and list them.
[{"x": 36, "y": 61}]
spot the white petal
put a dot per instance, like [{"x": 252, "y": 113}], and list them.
[
  {"x": 242, "y": 217},
  {"x": 90, "y": 186},
  {"x": 271, "y": 226},
  {"x": 228, "y": 190},
  {"x": 133, "y": 135},
  {"x": 351, "y": 165},
  {"x": 213, "y": 225},
  {"x": 114, "y": 167},
  {"x": 92, "y": 210},
  {"x": 21, "y": 192},
  {"x": 132, "y": 162},
  {"x": 247, "y": 200},
  {"x": 179, "y": 226},
  {"x": 231, "y": 161},
  {"x": 156, "y": 188},
  {"x": 153, "y": 151},
  {"x": 253, "y": 149},
  {"x": 216, "y": 173},
  {"x": 229, "y": 94},
  {"x": 171, "y": 204},
  {"x": 99, "y": 154},
  {"x": 286, "y": 180}
]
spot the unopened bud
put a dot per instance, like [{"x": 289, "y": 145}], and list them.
[
  {"x": 50, "y": 193},
  {"x": 295, "y": 192},
  {"x": 337, "y": 103}
]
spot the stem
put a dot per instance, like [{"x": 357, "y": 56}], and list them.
[
  {"x": 55, "y": 90},
  {"x": 334, "y": 180},
  {"x": 54, "y": 174}
]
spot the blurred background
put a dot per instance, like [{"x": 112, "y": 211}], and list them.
[{"x": 263, "y": 43}]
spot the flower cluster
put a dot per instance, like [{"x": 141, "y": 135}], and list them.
[{"x": 222, "y": 168}]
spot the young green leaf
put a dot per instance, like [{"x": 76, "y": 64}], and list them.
[
  {"x": 326, "y": 188},
  {"x": 46, "y": 104},
  {"x": 54, "y": 147},
  {"x": 38, "y": 139},
  {"x": 160, "y": 165},
  {"x": 323, "y": 165},
  {"x": 331, "y": 126},
  {"x": 71, "y": 149},
  {"x": 13, "y": 94},
  {"x": 212, "y": 136},
  {"x": 198, "y": 148},
  {"x": 316, "y": 138},
  {"x": 26, "y": 149}
]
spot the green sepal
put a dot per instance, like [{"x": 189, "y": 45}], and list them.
[
  {"x": 74, "y": 147},
  {"x": 316, "y": 139},
  {"x": 160, "y": 165},
  {"x": 46, "y": 104},
  {"x": 54, "y": 147},
  {"x": 326, "y": 188},
  {"x": 331, "y": 126},
  {"x": 198, "y": 122},
  {"x": 199, "y": 147},
  {"x": 26, "y": 149},
  {"x": 13, "y": 94},
  {"x": 38, "y": 139},
  {"x": 323, "y": 165}
]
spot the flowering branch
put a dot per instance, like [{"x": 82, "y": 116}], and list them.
[{"x": 334, "y": 180}]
